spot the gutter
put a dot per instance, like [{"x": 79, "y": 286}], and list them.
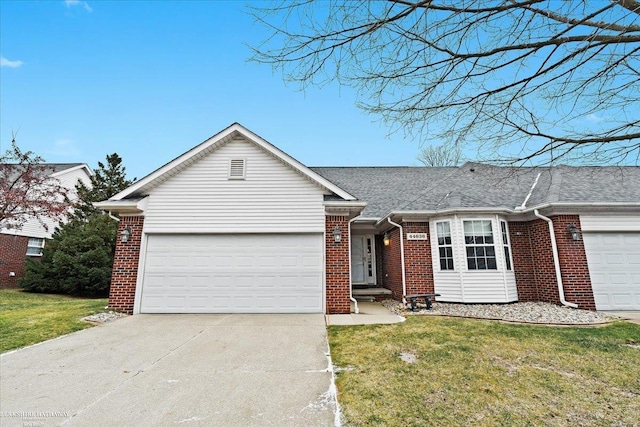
[
  {"x": 404, "y": 279},
  {"x": 556, "y": 259},
  {"x": 350, "y": 283}
]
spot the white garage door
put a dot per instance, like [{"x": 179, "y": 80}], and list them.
[
  {"x": 252, "y": 273},
  {"x": 614, "y": 266}
]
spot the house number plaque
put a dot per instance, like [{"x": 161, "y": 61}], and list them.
[{"x": 416, "y": 236}]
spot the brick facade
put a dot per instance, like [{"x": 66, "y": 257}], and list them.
[
  {"x": 534, "y": 266},
  {"x": 573, "y": 263},
  {"x": 338, "y": 281},
  {"x": 523, "y": 262},
  {"x": 125, "y": 266},
  {"x": 530, "y": 244},
  {"x": 417, "y": 259},
  {"x": 392, "y": 264},
  {"x": 13, "y": 254}
]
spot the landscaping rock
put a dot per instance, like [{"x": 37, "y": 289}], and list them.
[
  {"x": 527, "y": 312},
  {"x": 104, "y": 317}
]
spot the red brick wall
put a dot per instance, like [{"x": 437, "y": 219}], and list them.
[
  {"x": 13, "y": 254},
  {"x": 536, "y": 275},
  {"x": 417, "y": 258},
  {"x": 573, "y": 263},
  {"x": 392, "y": 264},
  {"x": 523, "y": 266},
  {"x": 337, "y": 266},
  {"x": 125, "y": 266}
]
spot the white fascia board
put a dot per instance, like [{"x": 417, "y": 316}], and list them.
[
  {"x": 428, "y": 214},
  {"x": 220, "y": 138},
  {"x": 187, "y": 229},
  {"x": 84, "y": 166},
  {"x": 611, "y": 205},
  {"x": 347, "y": 207},
  {"x": 344, "y": 204},
  {"x": 135, "y": 206},
  {"x": 367, "y": 219}
]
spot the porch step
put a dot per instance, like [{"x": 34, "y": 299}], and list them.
[
  {"x": 364, "y": 298},
  {"x": 370, "y": 292}
]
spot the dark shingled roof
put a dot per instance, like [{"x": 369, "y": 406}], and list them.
[{"x": 475, "y": 185}]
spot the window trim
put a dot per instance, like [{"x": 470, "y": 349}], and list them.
[
  {"x": 445, "y": 245},
  {"x": 40, "y": 247},
  {"x": 477, "y": 245},
  {"x": 506, "y": 245}
]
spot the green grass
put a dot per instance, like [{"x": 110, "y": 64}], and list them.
[
  {"x": 483, "y": 373},
  {"x": 27, "y": 318}
]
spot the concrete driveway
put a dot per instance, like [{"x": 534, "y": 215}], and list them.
[{"x": 144, "y": 370}]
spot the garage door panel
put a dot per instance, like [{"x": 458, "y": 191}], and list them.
[
  {"x": 233, "y": 274},
  {"x": 614, "y": 267}
]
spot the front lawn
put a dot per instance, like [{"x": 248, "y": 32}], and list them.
[
  {"x": 27, "y": 318},
  {"x": 463, "y": 372}
]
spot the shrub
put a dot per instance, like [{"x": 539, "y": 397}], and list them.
[{"x": 77, "y": 260}]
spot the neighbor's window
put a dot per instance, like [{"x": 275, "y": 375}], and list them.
[
  {"x": 478, "y": 239},
  {"x": 505, "y": 243},
  {"x": 35, "y": 246},
  {"x": 443, "y": 230}
]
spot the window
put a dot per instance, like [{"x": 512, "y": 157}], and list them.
[
  {"x": 445, "y": 250},
  {"x": 505, "y": 244},
  {"x": 478, "y": 239},
  {"x": 236, "y": 169},
  {"x": 35, "y": 246}
]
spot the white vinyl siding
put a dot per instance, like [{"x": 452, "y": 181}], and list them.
[
  {"x": 609, "y": 223},
  {"x": 225, "y": 273},
  {"x": 202, "y": 198},
  {"x": 472, "y": 286}
]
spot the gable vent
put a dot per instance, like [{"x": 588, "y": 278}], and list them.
[{"x": 237, "y": 168}]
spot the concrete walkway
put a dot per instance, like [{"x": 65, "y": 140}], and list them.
[
  {"x": 371, "y": 313},
  {"x": 188, "y": 370},
  {"x": 631, "y": 316}
]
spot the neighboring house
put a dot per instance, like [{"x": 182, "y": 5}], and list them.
[
  {"x": 29, "y": 240},
  {"x": 235, "y": 225}
]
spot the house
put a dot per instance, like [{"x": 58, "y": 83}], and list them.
[
  {"x": 235, "y": 225},
  {"x": 28, "y": 241}
]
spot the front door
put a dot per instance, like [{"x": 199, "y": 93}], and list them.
[{"x": 362, "y": 260}]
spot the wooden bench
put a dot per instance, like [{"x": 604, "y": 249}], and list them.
[{"x": 427, "y": 300}]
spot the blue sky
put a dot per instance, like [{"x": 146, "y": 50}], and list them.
[{"x": 149, "y": 80}]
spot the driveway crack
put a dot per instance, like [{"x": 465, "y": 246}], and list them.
[{"x": 130, "y": 378}]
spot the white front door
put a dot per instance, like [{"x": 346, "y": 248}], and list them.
[{"x": 362, "y": 260}]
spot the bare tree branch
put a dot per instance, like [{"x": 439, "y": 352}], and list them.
[{"x": 521, "y": 81}]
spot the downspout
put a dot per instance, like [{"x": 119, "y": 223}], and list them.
[
  {"x": 355, "y": 303},
  {"x": 404, "y": 279},
  {"x": 115, "y": 218},
  {"x": 556, "y": 259}
]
